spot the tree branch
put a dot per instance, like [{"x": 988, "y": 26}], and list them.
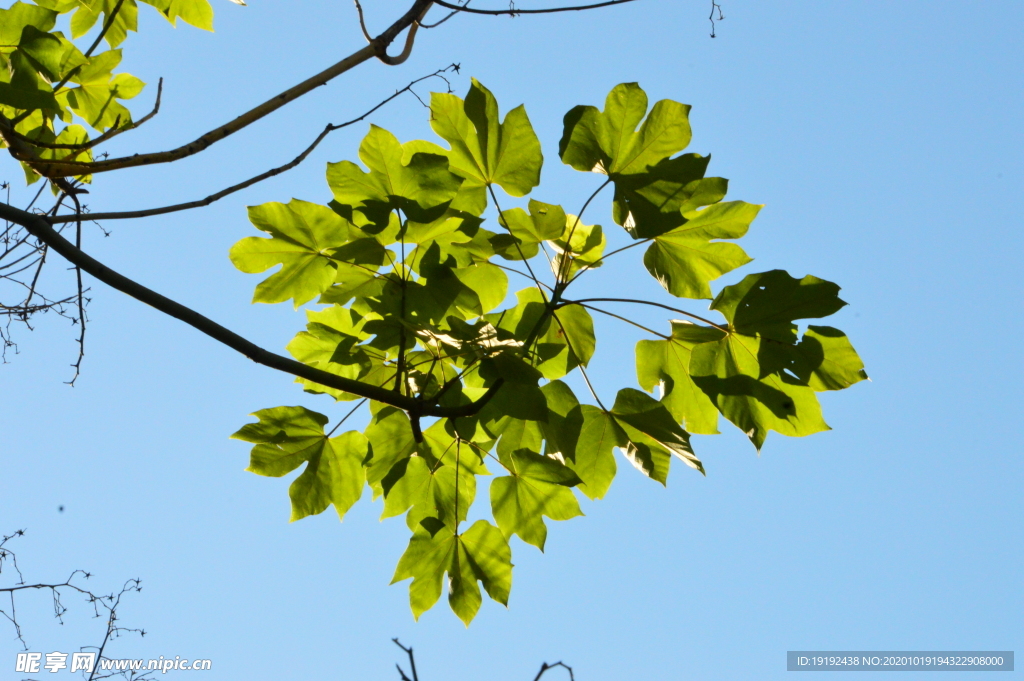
[
  {"x": 514, "y": 12},
  {"x": 544, "y": 667},
  {"x": 412, "y": 662},
  {"x": 125, "y": 215},
  {"x": 41, "y": 229},
  {"x": 58, "y": 168}
]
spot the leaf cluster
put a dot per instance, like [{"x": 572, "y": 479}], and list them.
[
  {"x": 52, "y": 92},
  {"x": 407, "y": 290}
]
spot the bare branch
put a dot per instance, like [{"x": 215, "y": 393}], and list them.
[
  {"x": 544, "y": 667},
  {"x": 441, "y": 21},
  {"x": 512, "y": 11},
  {"x": 711, "y": 17},
  {"x": 362, "y": 22},
  {"x": 251, "y": 181},
  {"x": 412, "y": 662}
]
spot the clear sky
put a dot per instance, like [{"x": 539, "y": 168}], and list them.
[{"x": 885, "y": 140}]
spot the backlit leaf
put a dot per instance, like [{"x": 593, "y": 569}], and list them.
[{"x": 287, "y": 437}]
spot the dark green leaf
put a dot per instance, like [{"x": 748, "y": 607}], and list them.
[
  {"x": 728, "y": 371},
  {"x": 653, "y": 434},
  {"x": 769, "y": 302}
]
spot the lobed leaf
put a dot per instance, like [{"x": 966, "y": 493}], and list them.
[
  {"x": 483, "y": 150},
  {"x": 479, "y": 554},
  {"x": 287, "y": 437}
]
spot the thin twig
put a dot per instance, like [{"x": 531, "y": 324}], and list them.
[
  {"x": 711, "y": 17},
  {"x": 568, "y": 242},
  {"x": 446, "y": 18},
  {"x": 331, "y": 127},
  {"x": 648, "y": 302},
  {"x": 544, "y": 667},
  {"x": 628, "y": 321},
  {"x": 412, "y": 662},
  {"x": 514, "y": 12}
]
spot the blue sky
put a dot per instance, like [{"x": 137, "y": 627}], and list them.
[{"x": 884, "y": 139}]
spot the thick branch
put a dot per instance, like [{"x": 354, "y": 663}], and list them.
[{"x": 41, "y": 229}]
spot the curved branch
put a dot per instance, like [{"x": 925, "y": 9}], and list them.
[
  {"x": 125, "y": 215},
  {"x": 514, "y": 12},
  {"x": 621, "y": 318},
  {"x": 647, "y": 302},
  {"x": 41, "y": 229},
  {"x": 410, "y": 38}
]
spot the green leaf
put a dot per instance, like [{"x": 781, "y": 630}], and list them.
[
  {"x": 15, "y": 18},
  {"x": 595, "y": 458},
  {"x": 519, "y": 396},
  {"x": 483, "y": 150},
  {"x": 480, "y": 554},
  {"x": 391, "y": 441},
  {"x": 536, "y": 486},
  {"x": 429, "y": 491},
  {"x": 90, "y": 11},
  {"x": 580, "y": 247},
  {"x": 567, "y": 343},
  {"x": 608, "y": 142},
  {"x": 96, "y": 97},
  {"x": 487, "y": 281},
  {"x": 54, "y": 54},
  {"x": 685, "y": 259},
  {"x": 667, "y": 364},
  {"x": 653, "y": 434},
  {"x": 421, "y": 183},
  {"x": 652, "y": 203},
  {"x": 769, "y": 302},
  {"x": 26, "y": 90},
  {"x": 561, "y": 344},
  {"x": 824, "y": 359},
  {"x": 199, "y": 13},
  {"x": 545, "y": 222},
  {"x": 728, "y": 371},
  {"x": 287, "y": 437},
  {"x": 303, "y": 236},
  {"x": 58, "y": 6},
  {"x": 331, "y": 343},
  {"x": 562, "y": 428}
]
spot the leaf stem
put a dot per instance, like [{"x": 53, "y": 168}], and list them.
[
  {"x": 583, "y": 371},
  {"x": 648, "y": 302},
  {"x": 345, "y": 417},
  {"x": 568, "y": 242},
  {"x": 628, "y": 321},
  {"x": 494, "y": 197}
]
